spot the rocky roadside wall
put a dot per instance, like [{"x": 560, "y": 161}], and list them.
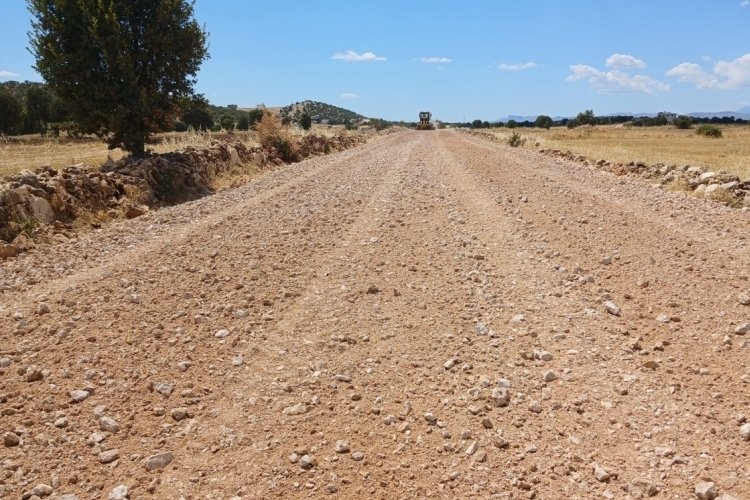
[
  {"x": 30, "y": 199},
  {"x": 699, "y": 181}
]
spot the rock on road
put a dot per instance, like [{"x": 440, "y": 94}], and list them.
[{"x": 428, "y": 314}]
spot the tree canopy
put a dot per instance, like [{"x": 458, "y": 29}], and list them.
[
  {"x": 10, "y": 112},
  {"x": 121, "y": 68},
  {"x": 544, "y": 121}
]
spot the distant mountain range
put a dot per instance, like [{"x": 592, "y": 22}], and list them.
[{"x": 743, "y": 113}]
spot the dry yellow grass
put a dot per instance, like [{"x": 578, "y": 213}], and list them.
[
  {"x": 649, "y": 144},
  {"x": 31, "y": 152}
]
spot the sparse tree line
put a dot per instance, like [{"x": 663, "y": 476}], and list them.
[
  {"x": 588, "y": 118},
  {"x": 32, "y": 108}
]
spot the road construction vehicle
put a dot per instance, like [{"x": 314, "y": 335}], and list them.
[{"x": 424, "y": 121}]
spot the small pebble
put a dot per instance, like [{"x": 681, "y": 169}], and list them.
[
  {"x": 612, "y": 308},
  {"x": 158, "y": 461},
  {"x": 108, "y": 424},
  {"x": 11, "y": 439},
  {"x": 601, "y": 474},
  {"x": 306, "y": 462},
  {"x": 342, "y": 446}
]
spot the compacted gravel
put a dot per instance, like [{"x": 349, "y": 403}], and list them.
[{"x": 427, "y": 315}]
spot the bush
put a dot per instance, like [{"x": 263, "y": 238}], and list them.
[
  {"x": 180, "y": 127},
  {"x": 272, "y": 134},
  {"x": 515, "y": 140},
  {"x": 305, "y": 121},
  {"x": 709, "y": 131},
  {"x": 512, "y": 124},
  {"x": 683, "y": 122}
]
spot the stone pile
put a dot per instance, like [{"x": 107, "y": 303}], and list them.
[
  {"x": 29, "y": 199},
  {"x": 717, "y": 186}
]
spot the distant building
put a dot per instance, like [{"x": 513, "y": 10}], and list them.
[
  {"x": 670, "y": 117},
  {"x": 233, "y": 107}
]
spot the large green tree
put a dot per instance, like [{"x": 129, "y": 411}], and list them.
[{"x": 121, "y": 67}]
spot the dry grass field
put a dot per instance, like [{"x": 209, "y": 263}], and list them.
[
  {"x": 32, "y": 151},
  {"x": 649, "y": 144}
]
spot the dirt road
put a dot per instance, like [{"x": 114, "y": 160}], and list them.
[{"x": 427, "y": 315}]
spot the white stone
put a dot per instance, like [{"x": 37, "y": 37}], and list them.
[
  {"x": 119, "y": 492},
  {"x": 600, "y": 473},
  {"x": 612, "y": 308},
  {"x": 163, "y": 388},
  {"x": 342, "y": 446},
  {"x": 79, "y": 395},
  {"x": 705, "y": 490},
  {"x": 295, "y": 409},
  {"x": 745, "y": 432}
]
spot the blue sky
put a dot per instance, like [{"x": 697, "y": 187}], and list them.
[{"x": 462, "y": 60}]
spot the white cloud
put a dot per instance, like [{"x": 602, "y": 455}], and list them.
[
  {"x": 615, "y": 81},
  {"x": 8, "y": 74},
  {"x": 351, "y": 56},
  {"x": 624, "y": 61},
  {"x": 692, "y": 73},
  {"x": 517, "y": 67},
  {"x": 744, "y": 3},
  {"x": 348, "y": 96},
  {"x": 435, "y": 60},
  {"x": 725, "y": 75}
]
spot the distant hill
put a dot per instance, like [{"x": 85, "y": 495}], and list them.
[
  {"x": 320, "y": 111},
  {"x": 743, "y": 113}
]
